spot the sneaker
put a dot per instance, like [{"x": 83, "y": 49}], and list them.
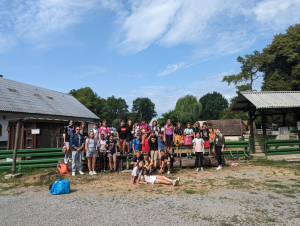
[
  {"x": 66, "y": 162},
  {"x": 103, "y": 171},
  {"x": 150, "y": 171},
  {"x": 169, "y": 173},
  {"x": 94, "y": 173},
  {"x": 82, "y": 158},
  {"x": 174, "y": 182},
  {"x": 202, "y": 169},
  {"x": 90, "y": 173},
  {"x": 154, "y": 170},
  {"x": 73, "y": 174},
  {"x": 69, "y": 160},
  {"x": 210, "y": 156},
  {"x": 197, "y": 169},
  {"x": 80, "y": 172},
  {"x": 111, "y": 171},
  {"x": 219, "y": 168}
]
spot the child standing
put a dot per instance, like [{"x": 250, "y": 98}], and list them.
[
  {"x": 136, "y": 128},
  {"x": 111, "y": 150},
  {"x": 189, "y": 133},
  {"x": 169, "y": 135},
  {"x": 121, "y": 136},
  {"x": 136, "y": 145},
  {"x": 104, "y": 129},
  {"x": 211, "y": 138},
  {"x": 102, "y": 152},
  {"x": 145, "y": 143},
  {"x": 153, "y": 148},
  {"x": 84, "y": 133},
  {"x": 178, "y": 138},
  {"x": 205, "y": 136},
  {"x": 155, "y": 128},
  {"x": 91, "y": 153},
  {"x": 198, "y": 151},
  {"x": 96, "y": 135},
  {"x": 129, "y": 137},
  {"x": 68, "y": 132}
]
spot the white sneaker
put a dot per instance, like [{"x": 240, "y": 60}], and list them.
[
  {"x": 178, "y": 178},
  {"x": 197, "y": 169},
  {"x": 103, "y": 171},
  {"x": 219, "y": 168},
  {"x": 91, "y": 173},
  {"x": 66, "y": 162},
  {"x": 202, "y": 169},
  {"x": 73, "y": 174},
  {"x": 94, "y": 173},
  {"x": 69, "y": 160},
  {"x": 81, "y": 172},
  {"x": 174, "y": 182},
  {"x": 169, "y": 173},
  {"x": 82, "y": 158}
]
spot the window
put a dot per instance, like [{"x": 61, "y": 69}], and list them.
[
  {"x": 50, "y": 98},
  {"x": 37, "y": 95},
  {"x": 12, "y": 90}
]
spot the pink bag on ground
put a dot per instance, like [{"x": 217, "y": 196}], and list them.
[{"x": 187, "y": 140}]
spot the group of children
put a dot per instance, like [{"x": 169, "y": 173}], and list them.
[{"x": 150, "y": 145}]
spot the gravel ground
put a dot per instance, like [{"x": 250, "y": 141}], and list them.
[{"x": 36, "y": 206}]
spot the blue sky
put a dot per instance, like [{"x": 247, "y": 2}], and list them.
[{"x": 161, "y": 49}]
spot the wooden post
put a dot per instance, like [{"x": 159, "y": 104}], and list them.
[
  {"x": 127, "y": 163},
  {"x": 16, "y": 148},
  {"x": 298, "y": 119},
  {"x": 264, "y": 124},
  {"x": 252, "y": 148}
]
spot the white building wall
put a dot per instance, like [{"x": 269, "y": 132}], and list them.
[{"x": 4, "y": 124}]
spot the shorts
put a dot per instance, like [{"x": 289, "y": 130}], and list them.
[
  {"x": 67, "y": 143},
  {"x": 129, "y": 139},
  {"x": 179, "y": 139},
  {"x": 122, "y": 140},
  {"x": 155, "y": 180},
  {"x": 92, "y": 151},
  {"x": 211, "y": 144},
  {"x": 154, "y": 155},
  {"x": 169, "y": 139},
  {"x": 206, "y": 144},
  {"x": 111, "y": 154}
]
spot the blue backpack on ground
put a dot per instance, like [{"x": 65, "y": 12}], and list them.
[{"x": 62, "y": 186}]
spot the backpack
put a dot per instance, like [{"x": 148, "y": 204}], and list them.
[
  {"x": 63, "y": 169},
  {"x": 62, "y": 186},
  {"x": 120, "y": 164}
]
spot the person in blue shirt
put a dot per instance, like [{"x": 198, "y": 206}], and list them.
[
  {"x": 161, "y": 145},
  {"x": 77, "y": 146},
  {"x": 136, "y": 145}
]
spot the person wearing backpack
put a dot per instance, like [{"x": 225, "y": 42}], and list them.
[
  {"x": 219, "y": 147},
  {"x": 144, "y": 127},
  {"x": 77, "y": 147},
  {"x": 90, "y": 147}
]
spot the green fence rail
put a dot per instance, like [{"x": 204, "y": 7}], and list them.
[{"x": 287, "y": 144}]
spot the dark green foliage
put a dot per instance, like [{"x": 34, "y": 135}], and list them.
[
  {"x": 143, "y": 108},
  {"x": 282, "y": 67},
  {"x": 212, "y": 105}
]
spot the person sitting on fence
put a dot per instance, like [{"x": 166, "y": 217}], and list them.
[
  {"x": 165, "y": 162},
  {"x": 199, "y": 151},
  {"x": 149, "y": 179},
  {"x": 90, "y": 147},
  {"x": 147, "y": 162},
  {"x": 136, "y": 159},
  {"x": 136, "y": 172},
  {"x": 77, "y": 146},
  {"x": 111, "y": 148},
  {"x": 68, "y": 132},
  {"x": 136, "y": 145},
  {"x": 102, "y": 152},
  {"x": 219, "y": 142}
]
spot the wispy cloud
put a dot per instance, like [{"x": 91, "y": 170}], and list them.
[{"x": 171, "y": 68}]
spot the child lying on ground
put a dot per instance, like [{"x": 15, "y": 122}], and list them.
[{"x": 148, "y": 179}]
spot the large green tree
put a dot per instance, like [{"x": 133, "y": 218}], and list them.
[
  {"x": 282, "y": 67},
  {"x": 143, "y": 108},
  {"x": 212, "y": 105},
  {"x": 114, "y": 108},
  {"x": 251, "y": 64}
]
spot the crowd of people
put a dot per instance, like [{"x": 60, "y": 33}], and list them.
[{"x": 151, "y": 147}]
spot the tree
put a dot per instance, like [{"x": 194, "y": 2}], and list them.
[
  {"x": 116, "y": 122},
  {"x": 282, "y": 68},
  {"x": 212, "y": 105},
  {"x": 115, "y": 108},
  {"x": 89, "y": 99},
  {"x": 189, "y": 104},
  {"x": 143, "y": 108},
  {"x": 251, "y": 65}
]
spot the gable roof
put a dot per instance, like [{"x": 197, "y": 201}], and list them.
[
  {"x": 266, "y": 100},
  {"x": 19, "y": 97}
]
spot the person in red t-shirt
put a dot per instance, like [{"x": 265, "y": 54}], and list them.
[
  {"x": 144, "y": 127},
  {"x": 145, "y": 143}
]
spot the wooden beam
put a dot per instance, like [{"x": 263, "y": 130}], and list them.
[
  {"x": 16, "y": 148},
  {"x": 58, "y": 136},
  {"x": 264, "y": 124},
  {"x": 22, "y": 136},
  {"x": 252, "y": 147}
]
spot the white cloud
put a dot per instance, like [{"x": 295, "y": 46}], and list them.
[{"x": 171, "y": 68}]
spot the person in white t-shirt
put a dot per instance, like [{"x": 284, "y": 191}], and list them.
[
  {"x": 199, "y": 151},
  {"x": 149, "y": 179},
  {"x": 136, "y": 172}
]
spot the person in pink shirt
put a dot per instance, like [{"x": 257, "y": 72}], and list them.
[
  {"x": 144, "y": 127},
  {"x": 104, "y": 129},
  {"x": 145, "y": 143},
  {"x": 168, "y": 136}
]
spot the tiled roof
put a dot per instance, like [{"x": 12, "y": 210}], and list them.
[{"x": 23, "y": 98}]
